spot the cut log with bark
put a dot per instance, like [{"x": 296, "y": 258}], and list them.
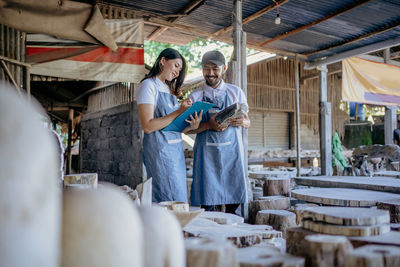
[
  {"x": 326, "y": 250},
  {"x": 295, "y": 243},
  {"x": 278, "y": 219},
  {"x": 267, "y": 203},
  {"x": 393, "y": 206},
  {"x": 346, "y": 216},
  {"x": 203, "y": 252},
  {"x": 373, "y": 255},
  {"x": 276, "y": 187}
]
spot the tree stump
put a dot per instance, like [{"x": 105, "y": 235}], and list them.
[
  {"x": 326, "y": 250},
  {"x": 267, "y": 203},
  {"x": 373, "y": 255},
  {"x": 202, "y": 252},
  {"x": 278, "y": 219},
  {"x": 277, "y": 186},
  {"x": 295, "y": 243},
  {"x": 393, "y": 206}
]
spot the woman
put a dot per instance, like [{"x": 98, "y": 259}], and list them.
[{"x": 158, "y": 106}]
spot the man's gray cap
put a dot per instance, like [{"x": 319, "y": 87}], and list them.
[{"x": 214, "y": 57}]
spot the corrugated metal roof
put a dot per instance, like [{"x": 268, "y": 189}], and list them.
[{"x": 214, "y": 15}]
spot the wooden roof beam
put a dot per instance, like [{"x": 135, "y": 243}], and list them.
[
  {"x": 361, "y": 37},
  {"x": 249, "y": 18},
  {"x": 185, "y": 11},
  {"x": 315, "y": 22},
  {"x": 200, "y": 33}
]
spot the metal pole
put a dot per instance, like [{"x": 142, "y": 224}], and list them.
[{"x": 69, "y": 147}]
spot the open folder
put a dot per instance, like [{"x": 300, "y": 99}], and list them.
[{"x": 179, "y": 124}]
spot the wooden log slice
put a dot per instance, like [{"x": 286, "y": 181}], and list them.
[
  {"x": 333, "y": 229},
  {"x": 346, "y": 215},
  {"x": 342, "y": 196}
]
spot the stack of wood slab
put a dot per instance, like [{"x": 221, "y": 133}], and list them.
[
  {"x": 353, "y": 191},
  {"x": 327, "y": 234},
  {"x": 216, "y": 239},
  {"x": 272, "y": 207}
]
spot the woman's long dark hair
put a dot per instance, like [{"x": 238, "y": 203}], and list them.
[{"x": 175, "y": 84}]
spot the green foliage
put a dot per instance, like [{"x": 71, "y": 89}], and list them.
[{"x": 192, "y": 51}]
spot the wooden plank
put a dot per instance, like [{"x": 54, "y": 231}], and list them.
[
  {"x": 345, "y": 230},
  {"x": 383, "y": 184},
  {"x": 390, "y": 239},
  {"x": 264, "y": 174},
  {"x": 343, "y": 196},
  {"x": 346, "y": 215}
]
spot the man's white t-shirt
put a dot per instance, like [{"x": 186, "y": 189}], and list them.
[{"x": 235, "y": 94}]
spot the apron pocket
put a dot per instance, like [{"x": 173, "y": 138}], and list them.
[
  {"x": 174, "y": 141},
  {"x": 219, "y": 144}
]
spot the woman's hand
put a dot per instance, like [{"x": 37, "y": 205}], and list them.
[
  {"x": 185, "y": 105},
  {"x": 194, "y": 122}
]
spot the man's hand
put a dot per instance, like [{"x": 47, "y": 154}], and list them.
[
  {"x": 243, "y": 121},
  {"x": 213, "y": 125}
]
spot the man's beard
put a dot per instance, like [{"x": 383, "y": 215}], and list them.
[{"x": 216, "y": 81}]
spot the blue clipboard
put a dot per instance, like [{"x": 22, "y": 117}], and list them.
[{"x": 179, "y": 124}]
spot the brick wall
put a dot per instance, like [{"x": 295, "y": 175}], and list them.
[{"x": 111, "y": 145}]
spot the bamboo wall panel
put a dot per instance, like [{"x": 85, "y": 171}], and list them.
[
  {"x": 271, "y": 88},
  {"x": 115, "y": 95},
  {"x": 12, "y": 45}
]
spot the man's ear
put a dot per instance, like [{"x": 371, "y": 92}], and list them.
[{"x": 224, "y": 69}]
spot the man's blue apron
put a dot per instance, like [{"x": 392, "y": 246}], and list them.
[
  {"x": 164, "y": 158},
  {"x": 218, "y": 169}
]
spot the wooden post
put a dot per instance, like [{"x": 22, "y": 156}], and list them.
[
  {"x": 69, "y": 145},
  {"x": 390, "y": 111},
  {"x": 28, "y": 82},
  {"x": 325, "y": 125},
  {"x": 238, "y": 74},
  {"x": 297, "y": 84}
]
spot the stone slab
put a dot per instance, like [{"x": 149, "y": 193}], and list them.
[
  {"x": 346, "y": 215},
  {"x": 239, "y": 235},
  {"x": 222, "y": 217},
  {"x": 345, "y": 230},
  {"x": 342, "y": 196},
  {"x": 392, "y": 174},
  {"x": 383, "y": 184}
]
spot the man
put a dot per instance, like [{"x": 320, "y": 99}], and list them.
[
  {"x": 218, "y": 166},
  {"x": 396, "y": 137}
]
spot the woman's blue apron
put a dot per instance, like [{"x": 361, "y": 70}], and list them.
[
  {"x": 218, "y": 169},
  {"x": 164, "y": 158}
]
